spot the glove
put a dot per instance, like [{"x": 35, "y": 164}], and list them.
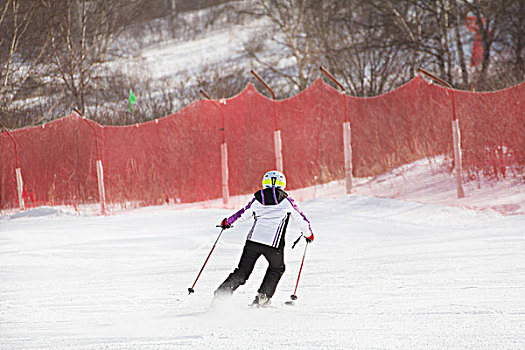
[
  {"x": 310, "y": 238},
  {"x": 224, "y": 224}
]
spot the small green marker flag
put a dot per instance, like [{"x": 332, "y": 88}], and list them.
[{"x": 132, "y": 100}]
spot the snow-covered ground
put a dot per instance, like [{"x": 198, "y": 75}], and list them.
[
  {"x": 430, "y": 181},
  {"x": 220, "y": 49},
  {"x": 382, "y": 274}
]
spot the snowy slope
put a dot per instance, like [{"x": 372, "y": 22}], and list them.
[
  {"x": 429, "y": 181},
  {"x": 220, "y": 48},
  {"x": 382, "y": 273}
]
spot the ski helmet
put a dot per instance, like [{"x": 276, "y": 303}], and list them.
[{"x": 275, "y": 179}]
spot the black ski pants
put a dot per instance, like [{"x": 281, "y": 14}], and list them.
[{"x": 251, "y": 252}]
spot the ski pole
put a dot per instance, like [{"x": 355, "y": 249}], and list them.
[
  {"x": 191, "y": 290},
  {"x": 294, "y": 296}
]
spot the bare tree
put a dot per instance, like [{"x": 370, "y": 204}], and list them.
[
  {"x": 290, "y": 19},
  {"x": 17, "y": 63},
  {"x": 355, "y": 46},
  {"x": 84, "y": 39},
  {"x": 510, "y": 43},
  {"x": 459, "y": 13},
  {"x": 372, "y": 45},
  {"x": 347, "y": 36},
  {"x": 500, "y": 25}
]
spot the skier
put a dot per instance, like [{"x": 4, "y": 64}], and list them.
[{"x": 271, "y": 210}]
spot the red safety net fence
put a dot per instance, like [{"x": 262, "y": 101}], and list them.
[{"x": 178, "y": 157}]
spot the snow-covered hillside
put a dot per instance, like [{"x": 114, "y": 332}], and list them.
[
  {"x": 382, "y": 273},
  {"x": 220, "y": 49},
  {"x": 429, "y": 181}
]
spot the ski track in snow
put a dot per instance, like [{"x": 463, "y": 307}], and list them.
[{"x": 381, "y": 274}]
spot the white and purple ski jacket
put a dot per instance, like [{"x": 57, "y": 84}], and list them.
[{"x": 271, "y": 210}]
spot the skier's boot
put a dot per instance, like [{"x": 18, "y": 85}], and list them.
[
  {"x": 221, "y": 296},
  {"x": 261, "y": 300}
]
